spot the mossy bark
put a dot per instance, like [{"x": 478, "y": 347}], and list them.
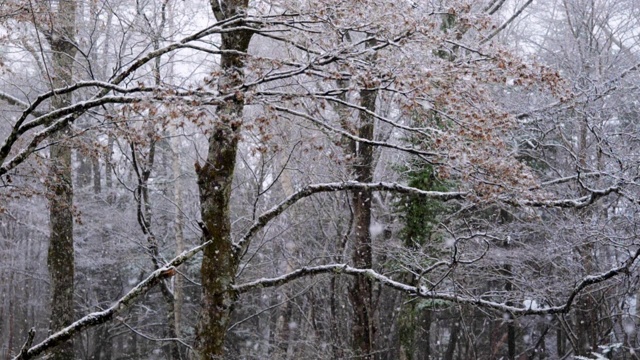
[
  {"x": 407, "y": 330},
  {"x": 60, "y": 259},
  {"x": 220, "y": 263}
]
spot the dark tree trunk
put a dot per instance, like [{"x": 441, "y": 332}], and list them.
[
  {"x": 361, "y": 293},
  {"x": 220, "y": 261},
  {"x": 108, "y": 168},
  {"x": 407, "y": 331},
  {"x": 61, "y": 255},
  {"x": 97, "y": 184}
]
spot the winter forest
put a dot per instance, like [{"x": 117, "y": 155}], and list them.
[{"x": 319, "y": 179}]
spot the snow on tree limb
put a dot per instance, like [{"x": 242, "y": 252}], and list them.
[
  {"x": 594, "y": 194},
  {"x": 60, "y": 118},
  {"x": 12, "y": 100},
  {"x": 69, "y": 115},
  {"x": 242, "y": 244},
  {"x": 120, "y": 305},
  {"x": 309, "y": 190},
  {"x": 169, "y": 270},
  {"x": 427, "y": 294}
]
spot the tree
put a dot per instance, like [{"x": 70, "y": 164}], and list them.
[
  {"x": 220, "y": 259},
  {"x": 362, "y": 87},
  {"x": 60, "y": 260},
  {"x": 578, "y": 138}
]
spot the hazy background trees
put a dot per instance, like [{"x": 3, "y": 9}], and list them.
[{"x": 516, "y": 143}]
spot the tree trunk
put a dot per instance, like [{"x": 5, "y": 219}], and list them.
[
  {"x": 108, "y": 157},
  {"x": 61, "y": 256},
  {"x": 97, "y": 184},
  {"x": 178, "y": 291},
  {"x": 407, "y": 330},
  {"x": 11, "y": 320},
  {"x": 282, "y": 329},
  {"x": 220, "y": 262},
  {"x": 361, "y": 292},
  {"x": 453, "y": 339}
]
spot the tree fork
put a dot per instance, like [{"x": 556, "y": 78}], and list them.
[{"x": 220, "y": 261}]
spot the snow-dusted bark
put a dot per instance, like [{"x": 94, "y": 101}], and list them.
[
  {"x": 61, "y": 259},
  {"x": 220, "y": 262}
]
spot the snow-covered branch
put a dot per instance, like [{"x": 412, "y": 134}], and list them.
[
  {"x": 120, "y": 305},
  {"x": 594, "y": 194},
  {"x": 427, "y": 294},
  {"x": 566, "y": 179},
  {"x": 598, "y": 278},
  {"x": 169, "y": 270},
  {"x": 242, "y": 244},
  {"x": 309, "y": 190},
  {"x": 12, "y": 100},
  {"x": 59, "y": 117},
  {"x": 68, "y": 114}
]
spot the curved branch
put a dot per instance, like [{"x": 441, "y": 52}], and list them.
[
  {"x": 577, "y": 203},
  {"x": 12, "y": 100},
  {"x": 120, "y": 305},
  {"x": 243, "y": 243},
  {"x": 169, "y": 270},
  {"x": 425, "y": 293},
  {"x": 309, "y": 190},
  {"x": 68, "y": 114},
  {"x": 18, "y": 128}
]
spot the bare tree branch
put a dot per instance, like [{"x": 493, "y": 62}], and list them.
[
  {"x": 346, "y": 134},
  {"x": 120, "y": 305},
  {"x": 12, "y": 100},
  {"x": 309, "y": 190},
  {"x": 506, "y": 23},
  {"x": 425, "y": 293}
]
